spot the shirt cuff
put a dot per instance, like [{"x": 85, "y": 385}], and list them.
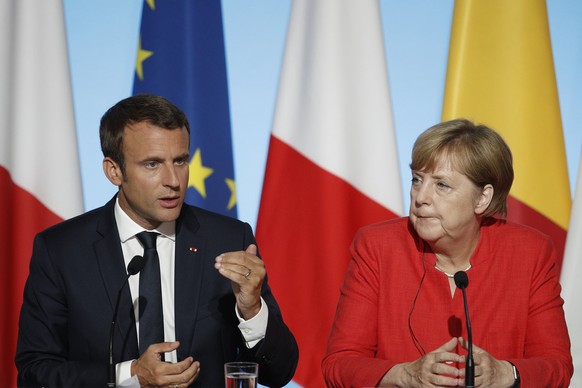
[{"x": 255, "y": 328}]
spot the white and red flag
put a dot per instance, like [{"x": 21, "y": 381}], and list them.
[
  {"x": 40, "y": 182},
  {"x": 332, "y": 164},
  {"x": 570, "y": 279}
]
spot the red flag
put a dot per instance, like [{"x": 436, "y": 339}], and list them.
[
  {"x": 332, "y": 164},
  {"x": 40, "y": 182}
]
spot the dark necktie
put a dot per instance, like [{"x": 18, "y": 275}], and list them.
[{"x": 151, "y": 319}]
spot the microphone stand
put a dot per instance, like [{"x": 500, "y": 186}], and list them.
[
  {"x": 462, "y": 282},
  {"x": 470, "y": 364},
  {"x": 135, "y": 265}
]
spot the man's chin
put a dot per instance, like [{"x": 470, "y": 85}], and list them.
[{"x": 168, "y": 214}]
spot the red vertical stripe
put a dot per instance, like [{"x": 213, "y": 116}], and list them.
[
  {"x": 22, "y": 217},
  {"x": 307, "y": 220}
]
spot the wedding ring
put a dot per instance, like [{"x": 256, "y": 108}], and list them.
[{"x": 247, "y": 274}]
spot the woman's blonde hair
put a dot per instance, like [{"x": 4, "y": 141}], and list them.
[{"x": 476, "y": 151}]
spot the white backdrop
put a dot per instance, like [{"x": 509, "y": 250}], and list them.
[{"x": 102, "y": 37}]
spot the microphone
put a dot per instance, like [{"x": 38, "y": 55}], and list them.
[
  {"x": 462, "y": 282},
  {"x": 135, "y": 265}
]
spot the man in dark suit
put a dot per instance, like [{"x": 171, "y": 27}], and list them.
[{"x": 217, "y": 305}]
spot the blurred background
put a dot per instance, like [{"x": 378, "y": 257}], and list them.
[
  {"x": 102, "y": 41},
  {"x": 103, "y": 37}
]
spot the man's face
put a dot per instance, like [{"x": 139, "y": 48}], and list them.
[{"x": 153, "y": 188}]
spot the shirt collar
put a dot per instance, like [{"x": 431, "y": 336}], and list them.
[{"x": 128, "y": 228}]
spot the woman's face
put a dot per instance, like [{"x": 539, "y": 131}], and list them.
[{"x": 445, "y": 205}]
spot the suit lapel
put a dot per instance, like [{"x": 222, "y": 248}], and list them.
[
  {"x": 190, "y": 249},
  {"x": 110, "y": 258}
]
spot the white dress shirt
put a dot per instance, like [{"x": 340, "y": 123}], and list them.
[{"x": 252, "y": 330}]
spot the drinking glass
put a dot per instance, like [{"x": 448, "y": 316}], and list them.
[{"x": 241, "y": 374}]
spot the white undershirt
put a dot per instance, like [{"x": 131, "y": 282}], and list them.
[{"x": 252, "y": 330}]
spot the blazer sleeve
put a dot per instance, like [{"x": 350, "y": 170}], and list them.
[
  {"x": 350, "y": 360},
  {"x": 42, "y": 350},
  {"x": 277, "y": 354},
  {"x": 547, "y": 360}
]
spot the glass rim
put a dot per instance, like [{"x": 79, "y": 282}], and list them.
[{"x": 241, "y": 363}]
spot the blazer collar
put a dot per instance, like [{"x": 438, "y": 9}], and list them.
[
  {"x": 190, "y": 257},
  {"x": 112, "y": 269}
]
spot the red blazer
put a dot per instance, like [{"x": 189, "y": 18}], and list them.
[{"x": 513, "y": 296}]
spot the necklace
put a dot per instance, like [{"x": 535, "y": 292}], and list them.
[{"x": 450, "y": 276}]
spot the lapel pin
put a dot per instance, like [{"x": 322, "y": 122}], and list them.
[{"x": 193, "y": 249}]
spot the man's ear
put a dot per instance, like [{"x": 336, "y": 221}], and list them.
[
  {"x": 484, "y": 199},
  {"x": 112, "y": 171}
]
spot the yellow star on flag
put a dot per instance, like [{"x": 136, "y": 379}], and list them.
[
  {"x": 231, "y": 185},
  {"x": 152, "y": 4},
  {"x": 142, "y": 55},
  {"x": 198, "y": 173}
]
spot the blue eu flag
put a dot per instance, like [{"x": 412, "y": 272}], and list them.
[{"x": 181, "y": 57}]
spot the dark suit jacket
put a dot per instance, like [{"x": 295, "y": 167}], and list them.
[{"x": 76, "y": 272}]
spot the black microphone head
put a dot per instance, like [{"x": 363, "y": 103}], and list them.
[
  {"x": 135, "y": 265},
  {"x": 461, "y": 280}
]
